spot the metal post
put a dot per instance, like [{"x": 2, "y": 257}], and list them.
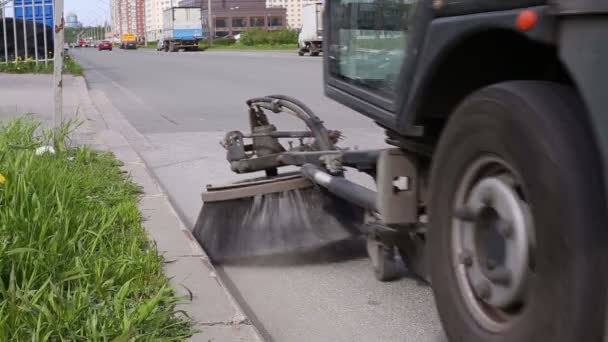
[
  {"x": 4, "y": 35},
  {"x": 16, "y": 45},
  {"x": 210, "y": 26},
  {"x": 24, "y": 19},
  {"x": 35, "y": 20},
  {"x": 46, "y": 47},
  {"x": 58, "y": 66}
]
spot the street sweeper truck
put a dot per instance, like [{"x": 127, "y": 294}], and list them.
[{"x": 494, "y": 187}]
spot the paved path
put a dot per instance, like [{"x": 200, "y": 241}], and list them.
[{"x": 182, "y": 104}]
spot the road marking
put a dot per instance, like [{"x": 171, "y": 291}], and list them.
[
  {"x": 168, "y": 119},
  {"x": 131, "y": 95}
]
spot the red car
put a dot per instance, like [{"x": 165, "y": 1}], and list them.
[{"x": 105, "y": 45}]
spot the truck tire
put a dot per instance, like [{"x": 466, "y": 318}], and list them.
[
  {"x": 172, "y": 47},
  {"x": 314, "y": 49},
  {"x": 517, "y": 232}
]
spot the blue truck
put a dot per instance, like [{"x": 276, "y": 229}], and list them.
[{"x": 182, "y": 29}]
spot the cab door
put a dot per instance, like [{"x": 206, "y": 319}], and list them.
[{"x": 371, "y": 48}]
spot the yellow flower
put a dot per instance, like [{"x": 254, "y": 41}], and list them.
[{"x": 2, "y": 179}]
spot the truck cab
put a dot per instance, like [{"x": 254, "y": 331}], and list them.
[{"x": 498, "y": 113}]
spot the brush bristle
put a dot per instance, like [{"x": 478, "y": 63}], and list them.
[{"x": 275, "y": 223}]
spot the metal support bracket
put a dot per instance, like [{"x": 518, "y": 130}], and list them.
[{"x": 397, "y": 182}]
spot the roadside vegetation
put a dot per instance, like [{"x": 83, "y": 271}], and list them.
[
  {"x": 151, "y": 45},
  {"x": 252, "y": 39},
  {"x": 29, "y": 66},
  {"x": 258, "y": 39},
  {"x": 75, "y": 262},
  {"x": 239, "y": 46}
]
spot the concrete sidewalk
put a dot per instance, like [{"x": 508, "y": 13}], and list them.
[
  {"x": 33, "y": 94},
  {"x": 215, "y": 313}
]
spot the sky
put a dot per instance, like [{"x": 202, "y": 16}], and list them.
[{"x": 89, "y": 12}]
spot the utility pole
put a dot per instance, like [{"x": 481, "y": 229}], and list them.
[
  {"x": 59, "y": 23},
  {"x": 210, "y": 23}
]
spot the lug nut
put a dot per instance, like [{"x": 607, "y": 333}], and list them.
[
  {"x": 483, "y": 289},
  {"x": 465, "y": 214},
  {"x": 465, "y": 258}
]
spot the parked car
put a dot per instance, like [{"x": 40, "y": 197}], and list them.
[
  {"x": 105, "y": 45},
  {"x": 128, "y": 45},
  {"x": 159, "y": 44}
]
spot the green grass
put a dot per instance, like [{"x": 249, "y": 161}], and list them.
[
  {"x": 151, "y": 45},
  {"x": 75, "y": 262},
  {"x": 70, "y": 66},
  {"x": 263, "y": 47},
  {"x": 237, "y": 46}
]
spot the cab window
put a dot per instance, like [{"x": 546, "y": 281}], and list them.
[{"x": 368, "y": 42}]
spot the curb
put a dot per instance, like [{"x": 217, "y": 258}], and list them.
[{"x": 215, "y": 312}]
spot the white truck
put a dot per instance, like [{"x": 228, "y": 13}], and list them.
[
  {"x": 182, "y": 29},
  {"x": 310, "y": 38}
]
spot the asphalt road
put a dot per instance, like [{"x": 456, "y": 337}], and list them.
[{"x": 182, "y": 104}]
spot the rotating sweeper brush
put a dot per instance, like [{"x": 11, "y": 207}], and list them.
[{"x": 281, "y": 212}]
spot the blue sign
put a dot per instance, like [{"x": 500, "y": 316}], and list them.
[{"x": 39, "y": 10}]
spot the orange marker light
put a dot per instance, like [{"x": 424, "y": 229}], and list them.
[{"x": 526, "y": 20}]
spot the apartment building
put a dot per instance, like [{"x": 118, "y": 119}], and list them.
[
  {"x": 128, "y": 16},
  {"x": 154, "y": 17},
  {"x": 231, "y": 17},
  {"x": 293, "y": 10}
]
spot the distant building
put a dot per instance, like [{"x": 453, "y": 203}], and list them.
[
  {"x": 293, "y": 9},
  {"x": 154, "y": 17},
  {"x": 71, "y": 20},
  {"x": 231, "y": 17},
  {"x": 128, "y": 16}
]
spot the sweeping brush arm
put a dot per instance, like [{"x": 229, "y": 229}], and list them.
[
  {"x": 281, "y": 103},
  {"x": 345, "y": 189}
]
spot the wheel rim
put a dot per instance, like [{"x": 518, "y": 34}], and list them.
[{"x": 492, "y": 243}]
